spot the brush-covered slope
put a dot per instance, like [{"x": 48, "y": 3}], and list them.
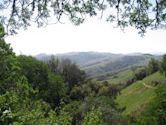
[
  {"x": 138, "y": 95},
  {"x": 99, "y": 65}
]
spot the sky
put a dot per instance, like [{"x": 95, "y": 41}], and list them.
[{"x": 93, "y": 35}]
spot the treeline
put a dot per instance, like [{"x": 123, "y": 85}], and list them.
[
  {"x": 52, "y": 93},
  {"x": 140, "y": 72},
  {"x": 57, "y": 92}
]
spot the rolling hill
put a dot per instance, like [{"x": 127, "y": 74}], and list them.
[{"x": 100, "y": 65}]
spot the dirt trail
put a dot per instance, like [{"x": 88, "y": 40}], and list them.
[{"x": 147, "y": 86}]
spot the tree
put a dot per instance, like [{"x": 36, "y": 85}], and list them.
[
  {"x": 141, "y": 14},
  {"x": 93, "y": 117},
  {"x": 56, "y": 90},
  {"x": 35, "y": 71},
  {"x": 111, "y": 90},
  {"x": 51, "y": 87},
  {"x": 153, "y": 66},
  {"x": 72, "y": 74},
  {"x": 2, "y": 31},
  {"x": 163, "y": 66},
  {"x": 18, "y": 109},
  {"x": 9, "y": 68},
  {"x": 54, "y": 65},
  {"x": 18, "y": 102},
  {"x": 140, "y": 73},
  {"x": 69, "y": 71}
]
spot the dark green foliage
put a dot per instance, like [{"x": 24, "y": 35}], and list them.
[
  {"x": 2, "y": 31},
  {"x": 18, "y": 102},
  {"x": 35, "y": 71},
  {"x": 160, "y": 105},
  {"x": 51, "y": 87},
  {"x": 17, "y": 109},
  {"x": 9, "y": 69},
  {"x": 107, "y": 107},
  {"x": 92, "y": 95},
  {"x": 54, "y": 65},
  {"x": 79, "y": 93},
  {"x": 153, "y": 66},
  {"x": 88, "y": 89},
  {"x": 110, "y": 90},
  {"x": 163, "y": 65},
  {"x": 140, "y": 14},
  {"x": 75, "y": 111},
  {"x": 56, "y": 90},
  {"x": 140, "y": 73},
  {"x": 92, "y": 88},
  {"x": 70, "y": 72}
]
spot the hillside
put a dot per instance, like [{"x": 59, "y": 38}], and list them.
[
  {"x": 137, "y": 96},
  {"x": 120, "y": 77},
  {"x": 100, "y": 65}
]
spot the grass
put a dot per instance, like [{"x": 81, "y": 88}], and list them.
[
  {"x": 137, "y": 96},
  {"x": 155, "y": 77},
  {"x": 121, "y": 77}
]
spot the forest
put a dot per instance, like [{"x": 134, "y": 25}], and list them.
[
  {"x": 57, "y": 92},
  {"x": 128, "y": 91}
]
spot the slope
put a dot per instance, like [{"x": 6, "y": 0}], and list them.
[
  {"x": 98, "y": 65},
  {"x": 138, "y": 95}
]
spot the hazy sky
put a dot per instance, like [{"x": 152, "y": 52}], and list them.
[{"x": 93, "y": 35}]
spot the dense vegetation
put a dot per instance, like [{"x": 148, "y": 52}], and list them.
[
  {"x": 141, "y": 14},
  {"x": 57, "y": 92}
]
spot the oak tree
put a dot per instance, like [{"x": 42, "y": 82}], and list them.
[{"x": 141, "y": 14}]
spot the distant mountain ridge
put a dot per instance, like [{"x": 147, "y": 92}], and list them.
[{"x": 96, "y": 64}]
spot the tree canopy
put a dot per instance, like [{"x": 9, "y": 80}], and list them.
[{"x": 141, "y": 14}]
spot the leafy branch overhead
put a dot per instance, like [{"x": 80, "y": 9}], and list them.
[{"x": 141, "y": 14}]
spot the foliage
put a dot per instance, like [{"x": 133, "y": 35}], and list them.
[
  {"x": 163, "y": 66},
  {"x": 2, "y": 31},
  {"x": 18, "y": 102},
  {"x": 70, "y": 72},
  {"x": 9, "y": 69},
  {"x": 51, "y": 87},
  {"x": 153, "y": 66},
  {"x": 89, "y": 88},
  {"x": 92, "y": 88},
  {"x": 56, "y": 90},
  {"x": 35, "y": 71},
  {"x": 18, "y": 109},
  {"x": 110, "y": 90},
  {"x": 93, "y": 117},
  {"x": 160, "y": 105},
  {"x": 140, "y": 14},
  {"x": 140, "y": 73},
  {"x": 91, "y": 95}
]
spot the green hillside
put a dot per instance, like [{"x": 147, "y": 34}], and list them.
[
  {"x": 120, "y": 77},
  {"x": 137, "y": 96}
]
